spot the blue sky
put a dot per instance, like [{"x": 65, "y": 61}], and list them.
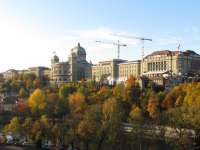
[{"x": 30, "y": 30}]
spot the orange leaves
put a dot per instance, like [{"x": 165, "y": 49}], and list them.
[
  {"x": 153, "y": 106},
  {"x": 169, "y": 101},
  {"x": 22, "y": 106},
  {"x": 104, "y": 89},
  {"x": 77, "y": 101},
  {"x": 131, "y": 81}
]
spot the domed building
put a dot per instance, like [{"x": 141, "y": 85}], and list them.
[
  {"x": 75, "y": 69},
  {"x": 79, "y": 52}
]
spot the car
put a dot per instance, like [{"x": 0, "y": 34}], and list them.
[
  {"x": 48, "y": 147},
  {"x": 27, "y": 143}
]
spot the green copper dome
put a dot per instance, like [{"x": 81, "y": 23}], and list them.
[{"x": 78, "y": 50}]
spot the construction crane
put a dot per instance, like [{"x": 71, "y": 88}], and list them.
[
  {"x": 137, "y": 38},
  {"x": 134, "y": 37},
  {"x": 118, "y": 44}
]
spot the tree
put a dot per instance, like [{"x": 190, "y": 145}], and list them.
[
  {"x": 23, "y": 93},
  {"x": 41, "y": 130},
  {"x": 77, "y": 102},
  {"x": 22, "y": 107},
  {"x": 119, "y": 91},
  {"x": 104, "y": 93},
  {"x": 112, "y": 116},
  {"x": 56, "y": 107},
  {"x": 136, "y": 115},
  {"x": 88, "y": 128},
  {"x": 37, "y": 83},
  {"x": 37, "y": 101},
  {"x": 153, "y": 106},
  {"x": 65, "y": 90},
  {"x": 14, "y": 127},
  {"x": 27, "y": 127},
  {"x": 174, "y": 97},
  {"x": 58, "y": 132},
  {"x": 132, "y": 90}
]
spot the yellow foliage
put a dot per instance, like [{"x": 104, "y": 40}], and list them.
[
  {"x": 76, "y": 101},
  {"x": 37, "y": 101},
  {"x": 119, "y": 91},
  {"x": 136, "y": 114},
  {"x": 109, "y": 107}
]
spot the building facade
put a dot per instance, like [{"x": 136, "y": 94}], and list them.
[
  {"x": 37, "y": 71},
  {"x": 129, "y": 68},
  {"x": 155, "y": 66},
  {"x": 160, "y": 64},
  {"x": 107, "y": 70},
  {"x": 75, "y": 69}
]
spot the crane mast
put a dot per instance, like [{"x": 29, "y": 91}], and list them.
[
  {"x": 118, "y": 44},
  {"x": 137, "y": 38}
]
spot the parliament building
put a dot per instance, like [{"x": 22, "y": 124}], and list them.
[{"x": 154, "y": 66}]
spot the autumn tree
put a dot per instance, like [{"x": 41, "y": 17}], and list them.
[
  {"x": 112, "y": 116},
  {"x": 37, "y": 101},
  {"x": 153, "y": 106},
  {"x": 27, "y": 127},
  {"x": 119, "y": 91},
  {"x": 174, "y": 97},
  {"x": 132, "y": 90},
  {"x": 89, "y": 127},
  {"x": 41, "y": 130},
  {"x": 104, "y": 93},
  {"x": 37, "y": 83},
  {"x": 136, "y": 115},
  {"x": 56, "y": 107},
  {"x": 77, "y": 102},
  {"x": 14, "y": 127},
  {"x": 22, "y": 107},
  {"x": 23, "y": 93},
  {"x": 65, "y": 90}
]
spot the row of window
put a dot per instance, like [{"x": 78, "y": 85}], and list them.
[{"x": 157, "y": 66}]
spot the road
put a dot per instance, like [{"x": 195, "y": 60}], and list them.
[{"x": 11, "y": 148}]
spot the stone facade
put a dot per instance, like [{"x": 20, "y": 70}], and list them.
[
  {"x": 129, "y": 68},
  {"x": 154, "y": 67},
  {"x": 108, "y": 70},
  {"x": 37, "y": 71},
  {"x": 174, "y": 63},
  {"x": 75, "y": 69}
]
